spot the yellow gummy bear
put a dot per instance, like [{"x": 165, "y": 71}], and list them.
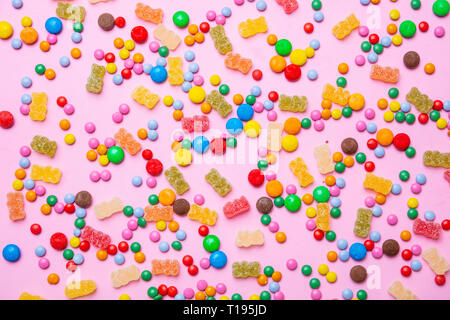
[
  {"x": 343, "y": 28},
  {"x": 300, "y": 170},
  {"x": 27, "y": 296},
  {"x": 175, "y": 72},
  {"x": 78, "y": 289},
  {"x": 46, "y": 174},
  {"x": 377, "y": 184},
  {"x": 144, "y": 97},
  {"x": 323, "y": 217},
  {"x": 336, "y": 95},
  {"x": 203, "y": 215},
  {"x": 251, "y": 27},
  {"x": 38, "y": 106}
]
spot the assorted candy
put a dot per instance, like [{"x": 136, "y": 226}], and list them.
[{"x": 274, "y": 122}]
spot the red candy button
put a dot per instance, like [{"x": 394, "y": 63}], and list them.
[
  {"x": 308, "y": 27},
  {"x": 123, "y": 246},
  {"x": 193, "y": 270},
  {"x": 139, "y": 34},
  {"x": 218, "y": 146},
  {"x": 84, "y": 245},
  {"x": 203, "y": 230},
  {"x": 369, "y": 244},
  {"x": 401, "y": 141},
  {"x": 6, "y": 119},
  {"x": 154, "y": 167},
  {"x": 35, "y": 229},
  {"x": 120, "y": 22},
  {"x": 257, "y": 74},
  {"x": 147, "y": 154},
  {"x": 58, "y": 241},
  {"x": 204, "y": 27},
  {"x": 292, "y": 72},
  {"x": 256, "y": 177}
]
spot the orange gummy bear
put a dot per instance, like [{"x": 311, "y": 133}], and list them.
[
  {"x": 234, "y": 61},
  {"x": 146, "y": 13},
  {"x": 385, "y": 74},
  {"x": 126, "y": 141},
  {"x": 166, "y": 267},
  {"x": 15, "y": 205},
  {"x": 157, "y": 213}
]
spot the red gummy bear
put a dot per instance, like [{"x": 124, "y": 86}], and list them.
[
  {"x": 97, "y": 238},
  {"x": 236, "y": 207},
  {"x": 197, "y": 124},
  {"x": 428, "y": 229},
  {"x": 289, "y": 6}
]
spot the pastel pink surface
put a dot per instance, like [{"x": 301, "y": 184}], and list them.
[{"x": 25, "y": 275}]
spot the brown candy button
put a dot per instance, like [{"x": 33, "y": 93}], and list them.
[
  {"x": 411, "y": 59},
  {"x": 358, "y": 274},
  {"x": 106, "y": 21},
  {"x": 181, "y": 207},
  {"x": 391, "y": 247},
  {"x": 264, "y": 205},
  {"x": 83, "y": 199},
  {"x": 349, "y": 146}
]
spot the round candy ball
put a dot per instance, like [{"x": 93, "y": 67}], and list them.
[
  {"x": 321, "y": 194},
  {"x": 218, "y": 259},
  {"x": 115, "y": 154},
  {"x": 11, "y": 253},
  {"x": 358, "y": 251},
  {"x": 53, "y": 25},
  {"x": 211, "y": 243},
  {"x": 158, "y": 74},
  {"x": 180, "y": 19}
]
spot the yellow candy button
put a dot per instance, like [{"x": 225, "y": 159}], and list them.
[
  {"x": 289, "y": 143},
  {"x": 197, "y": 94},
  {"x": 252, "y": 129},
  {"x": 6, "y": 30},
  {"x": 298, "y": 57},
  {"x": 183, "y": 157}
]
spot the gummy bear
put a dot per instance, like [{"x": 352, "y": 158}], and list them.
[
  {"x": 176, "y": 180},
  {"x": 345, "y": 27},
  {"x": 377, "y": 184},
  {"x": 236, "y": 207},
  {"x": 300, "y": 170},
  {"x": 436, "y": 159},
  {"x": 323, "y": 158},
  {"x": 385, "y": 74},
  {"x": 95, "y": 81},
  {"x": 293, "y": 104},
  {"x": 38, "y": 107},
  {"x": 274, "y": 131},
  {"x": 78, "y": 289},
  {"x": 96, "y": 238},
  {"x": 336, "y": 95},
  {"x": 251, "y": 27},
  {"x": 218, "y": 103},
  {"x": 106, "y": 209},
  {"x": 219, "y": 183},
  {"x": 289, "y": 6},
  {"x": 146, "y": 13},
  {"x": 43, "y": 145},
  {"x": 196, "y": 123},
  {"x": 166, "y": 267},
  {"x": 167, "y": 37},
  {"x": 245, "y": 269},
  {"x": 124, "y": 276},
  {"x": 158, "y": 213},
  {"x": 246, "y": 238},
  {"x": 16, "y": 205},
  {"x": 428, "y": 229},
  {"x": 401, "y": 293},
  {"x": 421, "y": 101},
  {"x": 323, "y": 217},
  {"x": 46, "y": 174},
  {"x": 175, "y": 72},
  {"x": 27, "y": 296},
  {"x": 144, "y": 97},
  {"x": 220, "y": 39},
  {"x": 437, "y": 263},
  {"x": 127, "y": 141},
  {"x": 234, "y": 61},
  {"x": 68, "y": 11},
  {"x": 362, "y": 223},
  {"x": 202, "y": 215}
]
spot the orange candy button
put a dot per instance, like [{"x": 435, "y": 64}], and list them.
[
  {"x": 166, "y": 197},
  {"x": 274, "y": 188},
  {"x": 292, "y": 126},
  {"x": 385, "y": 137},
  {"x": 29, "y": 35}
]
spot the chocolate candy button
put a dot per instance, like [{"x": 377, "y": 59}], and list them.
[
  {"x": 358, "y": 273},
  {"x": 349, "y": 146},
  {"x": 411, "y": 59},
  {"x": 181, "y": 207},
  {"x": 83, "y": 199},
  {"x": 106, "y": 21},
  {"x": 391, "y": 247},
  {"x": 264, "y": 205}
]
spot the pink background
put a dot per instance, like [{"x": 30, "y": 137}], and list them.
[{"x": 25, "y": 275}]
